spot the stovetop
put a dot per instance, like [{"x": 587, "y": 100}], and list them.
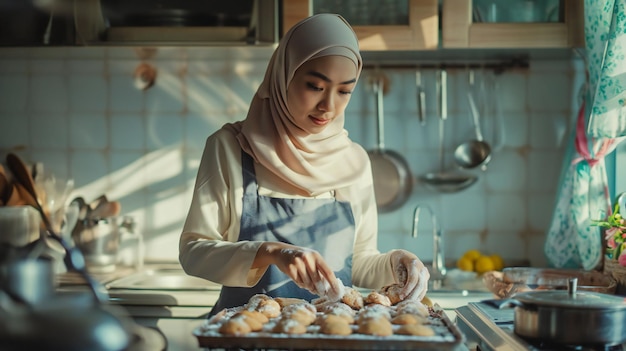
[{"x": 492, "y": 329}]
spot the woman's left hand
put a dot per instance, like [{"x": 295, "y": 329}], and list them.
[{"x": 411, "y": 274}]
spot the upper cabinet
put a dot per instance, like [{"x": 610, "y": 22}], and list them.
[
  {"x": 410, "y": 26},
  {"x": 379, "y": 25},
  {"x": 512, "y": 23}
]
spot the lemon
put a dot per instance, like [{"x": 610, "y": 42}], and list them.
[
  {"x": 472, "y": 254},
  {"x": 498, "y": 262},
  {"x": 484, "y": 264},
  {"x": 465, "y": 264}
]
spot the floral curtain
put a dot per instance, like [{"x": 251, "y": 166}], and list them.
[{"x": 572, "y": 242}]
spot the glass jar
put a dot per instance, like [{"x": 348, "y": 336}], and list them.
[{"x": 131, "y": 246}]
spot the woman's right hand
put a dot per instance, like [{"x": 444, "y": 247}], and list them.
[
  {"x": 410, "y": 272},
  {"x": 306, "y": 267}
]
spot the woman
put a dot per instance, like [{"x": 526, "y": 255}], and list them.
[{"x": 284, "y": 201}]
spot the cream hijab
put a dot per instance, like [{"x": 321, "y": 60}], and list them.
[{"x": 312, "y": 163}]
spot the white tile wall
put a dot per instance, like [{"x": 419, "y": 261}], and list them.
[{"x": 77, "y": 111}]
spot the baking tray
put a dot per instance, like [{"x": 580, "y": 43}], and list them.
[{"x": 448, "y": 337}]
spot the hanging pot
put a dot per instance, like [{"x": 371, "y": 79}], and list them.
[
  {"x": 569, "y": 317},
  {"x": 391, "y": 173}
]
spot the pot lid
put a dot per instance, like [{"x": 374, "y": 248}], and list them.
[{"x": 580, "y": 300}]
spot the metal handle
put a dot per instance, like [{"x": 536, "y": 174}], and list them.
[
  {"x": 475, "y": 118},
  {"x": 442, "y": 89},
  {"x": 572, "y": 286},
  {"x": 443, "y": 94},
  {"x": 421, "y": 99},
  {"x": 473, "y": 108},
  {"x": 378, "y": 88},
  {"x": 506, "y": 303}
]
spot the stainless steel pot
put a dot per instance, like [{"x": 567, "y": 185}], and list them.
[{"x": 569, "y": 317}]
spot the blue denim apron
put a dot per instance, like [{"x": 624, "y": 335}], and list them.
[{"x": 324, "y": 225}]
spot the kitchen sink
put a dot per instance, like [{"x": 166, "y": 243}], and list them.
[{"x": 162, "y": 278}]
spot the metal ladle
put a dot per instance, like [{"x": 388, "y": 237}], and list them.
[
  {"x": 477, "y": 152},
  {"x": 445, "y": 181}
]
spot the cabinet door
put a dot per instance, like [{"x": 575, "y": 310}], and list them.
[
  {"x": 460, "y": 31},
  {"x": 379, "y": 25}
]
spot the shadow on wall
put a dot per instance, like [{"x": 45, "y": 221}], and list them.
[
  {"x": 152, "y": 176},
  {"x": 155, "y": 189}
]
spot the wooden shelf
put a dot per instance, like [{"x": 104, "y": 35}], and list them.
[
  {"x": 421, "y": 33},
  {"x": 458, "y": 30}
]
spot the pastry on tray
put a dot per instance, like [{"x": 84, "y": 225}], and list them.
[{"x": 380, "y": 314}]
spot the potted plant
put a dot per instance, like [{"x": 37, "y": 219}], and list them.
[{"x": 615, "y": 248}]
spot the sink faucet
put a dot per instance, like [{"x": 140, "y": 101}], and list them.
[{"x": 438, "y": 266}]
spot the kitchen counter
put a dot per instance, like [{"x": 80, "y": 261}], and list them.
[
  {"x": 159, "y": 296},
  {"x": 156, "y": 284},
  {"x": 162, "y": 296}
]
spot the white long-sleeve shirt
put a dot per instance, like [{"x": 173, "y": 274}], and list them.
[{"x": 208, "y": 244}]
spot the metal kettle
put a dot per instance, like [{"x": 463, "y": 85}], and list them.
[
  {"x": 34, "y": 316},
  {"x": 64, "y": 327}
]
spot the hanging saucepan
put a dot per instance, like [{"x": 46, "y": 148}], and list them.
[
  {"x": 392, "y": 174},
  {"x": 569, "y": 317}
]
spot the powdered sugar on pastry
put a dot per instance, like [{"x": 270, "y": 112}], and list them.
[
  {"x": 289, "y": 326},
  {"x": 375, "y": 297},
  {"x": 392, "y": 292},
  {"x": 305, "y": 313},
  {"x": 352, "y": 298},
  {"x": 269, "y": 308},
  {"x": 235, "y": 326},
  {"x": 412, "y": 307}
]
